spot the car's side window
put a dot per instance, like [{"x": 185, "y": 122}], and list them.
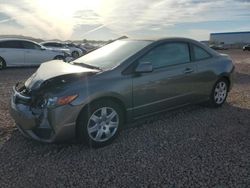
[
  {"x": 10, "y": 44},
  {"x": 200, "y": 53},
  {"x": 59, "y": 45},
  {"x": 30, "y": 45},
  {"x": 52, "y": 44},
  {"x": 46, "y": 44},
  {"x": 168, "y": 54}
]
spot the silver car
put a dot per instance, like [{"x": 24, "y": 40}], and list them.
[
  {"x": 72, "y": 50},
  {"x": 94, "y": 96},
  {"x": 19, "y": 52}
]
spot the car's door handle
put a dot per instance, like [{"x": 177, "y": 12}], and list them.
[{"x": 188, "y": 71}]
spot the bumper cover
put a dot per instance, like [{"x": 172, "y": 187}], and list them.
[{"x": 44, "y": 127}]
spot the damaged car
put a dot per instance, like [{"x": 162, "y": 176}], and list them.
[{"x": 93, "y": 97}]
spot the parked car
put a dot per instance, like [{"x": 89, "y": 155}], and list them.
[
  {"x": 72, "y": 45},
  {"x": 246, "y": 47},
  {"x": 88, "y": 47},
  {"x": 218, "y": 47},
  {"x": 91, "y": 98},
  {"x": 74, "y": 51},
  {"x": 20, "y": 52}
]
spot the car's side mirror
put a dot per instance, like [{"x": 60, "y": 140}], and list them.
[{"x": 144, "y": 67}]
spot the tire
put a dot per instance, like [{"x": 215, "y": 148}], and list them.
[
  {"x": 2, "y": 64},
  {"x": 219, "y": 93},
  {"x": 96, "y": 129},
  {"x": 59, "y": 57},
  {"x": 75, "y": 54}
]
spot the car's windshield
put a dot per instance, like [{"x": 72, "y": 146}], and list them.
[{"x": 111, "y": 55}]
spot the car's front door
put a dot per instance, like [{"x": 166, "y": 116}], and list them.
[
  {"x": 34, "y": 54},
  {"x": 12, "y": 52},
  {"x": 170, "y": 84}
]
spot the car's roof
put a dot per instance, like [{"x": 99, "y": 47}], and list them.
[
  {"x": 8, "y": 39},
  {"x": 173, "y": 39},
  {"x": 52, "y": 42},
  {"x": 161, "y": 39}
]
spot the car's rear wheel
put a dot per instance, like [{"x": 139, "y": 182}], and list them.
[
  {"x": 2, "y": 64},
  {"x": 75, "y": 54},
  {"x": 219, "y": 93},
  {"x": 99, "y": 124}
]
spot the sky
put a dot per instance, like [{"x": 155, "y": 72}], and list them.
[{"x": 110, "y": 19}]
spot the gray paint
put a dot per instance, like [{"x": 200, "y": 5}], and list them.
[{"x": 139, "y": 94}]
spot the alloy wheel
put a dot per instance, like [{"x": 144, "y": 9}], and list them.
[
  {"x": 103, "y": 124},
  {"x": 75, "y": 54},
  {"x": 1, "y": 64},
  {"x": 220, "y": 92}
]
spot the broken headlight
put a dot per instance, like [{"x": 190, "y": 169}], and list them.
[{"x": 52, "y": 102}]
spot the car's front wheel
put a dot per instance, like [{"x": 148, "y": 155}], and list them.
[
  {"x": 2, "y": 64},
  {"x": 100, "y": 123},
  {"x": 219, "y": 93},
  {"x": 75, "y": 54}
]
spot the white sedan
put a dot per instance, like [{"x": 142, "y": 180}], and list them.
[
  {"x": 74, "y": 51},
  {"x": 19, "y": 52}
]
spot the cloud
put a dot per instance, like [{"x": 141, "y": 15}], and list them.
[{"x": 60, "y": 19}]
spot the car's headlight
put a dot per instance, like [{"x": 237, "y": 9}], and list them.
[{"x": 59, "y": 101}]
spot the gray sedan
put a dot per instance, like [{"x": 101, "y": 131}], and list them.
[{"x": 94, "y": 96}]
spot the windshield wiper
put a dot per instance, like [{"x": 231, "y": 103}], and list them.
[{"x": 86, "y": 65}]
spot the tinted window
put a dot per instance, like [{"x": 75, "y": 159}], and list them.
[
  {"x": 10, "y": 44},
  {"x": 70, "y": 45},
  {"x": 46, "y": 44},
  {"x": 57, "y": 45},
  {"x": 30, "y": 45},
  {"x": 52, "y": 44},
  {"x": 200, "y": 53},
  {"x": 168, "y": 54}
]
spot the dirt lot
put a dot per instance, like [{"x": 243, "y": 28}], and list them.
[{"x": 190, "y": 147}]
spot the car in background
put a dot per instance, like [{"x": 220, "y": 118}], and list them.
[
  {"x": 74, "y": 51},
  {"x": 93, "y": 96},
  {"x": 21, "y": 52},
  {"x": 246, "y": 47},
  {"x": 88, "y": 47},
  {"x": 72, "y": 45},
  {"x": 218, "y": 47}
]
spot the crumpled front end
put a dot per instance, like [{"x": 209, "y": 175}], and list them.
[{"x": 38, "y": 122}]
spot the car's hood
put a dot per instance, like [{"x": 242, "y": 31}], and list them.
[{"x": 56, "y": 69}]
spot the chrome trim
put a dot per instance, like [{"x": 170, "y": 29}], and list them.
[{"x": 159, "y": 101}]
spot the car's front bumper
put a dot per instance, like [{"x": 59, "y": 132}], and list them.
[{"x": 49, "y": 125}]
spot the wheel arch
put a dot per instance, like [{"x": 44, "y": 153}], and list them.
[
  {"x": 226, "y": 76},
  {"x": 87, "y": 105},
  {"x": 4, "y": 61},
  {"x": 56, "y": 57},
  {"x": 115, "y": 99}
]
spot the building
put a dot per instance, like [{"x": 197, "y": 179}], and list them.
[{"x": 230, "y": 39}]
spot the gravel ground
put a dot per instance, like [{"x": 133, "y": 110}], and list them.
[{"x": 190, "y": 147}]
